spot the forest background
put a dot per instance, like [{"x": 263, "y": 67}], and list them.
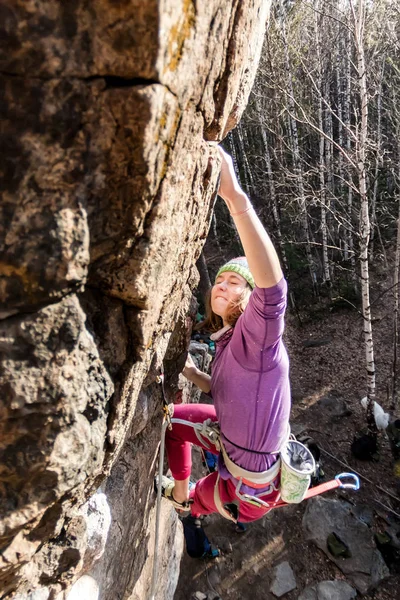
[{"x": 318, "y": 152}]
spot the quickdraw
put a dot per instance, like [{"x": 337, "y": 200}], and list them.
[{"x": 167, "y": 415}]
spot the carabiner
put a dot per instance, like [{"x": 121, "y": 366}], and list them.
[{"x": 355, "y": 485}]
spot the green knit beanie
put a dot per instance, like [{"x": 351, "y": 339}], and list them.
[{"x": 238, "y": 265}]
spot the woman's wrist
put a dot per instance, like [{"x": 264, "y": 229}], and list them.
[
  {"x": 242, "y": 212},
  {"x": 239, "y": 204}
]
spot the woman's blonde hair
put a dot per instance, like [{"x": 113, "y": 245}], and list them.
[{"x": 214, "y": 322}]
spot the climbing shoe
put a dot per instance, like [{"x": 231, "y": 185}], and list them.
[{"x": 167, "y": 487}]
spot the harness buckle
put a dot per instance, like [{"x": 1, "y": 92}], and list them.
[
  {"x": 210, "y": 430},
  {"x": 254, "y": 500}
]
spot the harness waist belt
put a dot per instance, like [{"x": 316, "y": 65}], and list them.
[{"x": 251, "y": 478}]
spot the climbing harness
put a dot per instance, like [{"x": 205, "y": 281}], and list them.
[
  {"x": 352, "y": 483},
  {"x": 209, "y": 435}
]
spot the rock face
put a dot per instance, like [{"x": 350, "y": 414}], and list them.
[{"x": 107, "y": 191}]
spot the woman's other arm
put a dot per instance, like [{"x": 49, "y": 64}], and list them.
[
  {"x": 258, "y": 248},
  {"x": 193, "y": 374}
]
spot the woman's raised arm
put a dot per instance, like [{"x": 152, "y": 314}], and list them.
[{"x": 258, "y": 248}]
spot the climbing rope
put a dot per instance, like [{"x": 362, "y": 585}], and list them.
[
  {"x": 164, "y": 426},
  {"x": 166, "y": 423}
]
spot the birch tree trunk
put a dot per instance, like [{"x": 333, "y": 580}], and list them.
[
  {"x": 297, "y": 165},
  {"x": 378, "y": 161},
  {"x": 365, "y": 227},
  {"x": 328, "y": 143},
  {"x": 339, "y": 93},
  {"x": 396, "y": 305},
  {"x": 273, "y": 198},
  {"x": 347, "y": 121},
  {"x": 247, "y": 175},
  {"x": 322, "y": 143},
  {"x": 247, "y": 144},
  {"x": 232, "y": 152}
]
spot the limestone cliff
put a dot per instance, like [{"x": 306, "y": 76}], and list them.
[{"x": 107, "y": 190}]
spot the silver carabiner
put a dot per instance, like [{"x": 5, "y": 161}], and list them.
[
  {"x": 354, "y": 485},
  {"x": 254, "y": 500}
]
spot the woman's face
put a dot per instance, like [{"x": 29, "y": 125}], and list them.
[{"x": 227, "y": 289}]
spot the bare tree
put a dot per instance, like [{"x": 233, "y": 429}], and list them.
[
  {"x": 365, "y": 227},
  {"x": 322, "y": 141},
  {"x": 297, "y": 163},
  {"x": 394, "y": 392}
]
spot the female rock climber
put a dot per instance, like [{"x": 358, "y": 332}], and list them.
[{"x": 249, "y": 383}]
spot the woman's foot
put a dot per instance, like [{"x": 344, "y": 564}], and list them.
[{"x": 167, "y": 492}]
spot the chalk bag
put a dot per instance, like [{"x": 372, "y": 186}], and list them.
[{"x": 297, "y": 467}]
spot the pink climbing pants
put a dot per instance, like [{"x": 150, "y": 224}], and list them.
[{"x": 178, "y": 445}]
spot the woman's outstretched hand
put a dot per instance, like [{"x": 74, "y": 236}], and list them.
[
  {"x": 229, "y": 186},
  {"x": 258, "y": 248}
]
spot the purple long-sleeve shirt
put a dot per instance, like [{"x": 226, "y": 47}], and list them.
[{"x": 250, "y": 382}]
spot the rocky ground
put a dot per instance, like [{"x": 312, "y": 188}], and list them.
[{"x": 327, "y": 374}]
